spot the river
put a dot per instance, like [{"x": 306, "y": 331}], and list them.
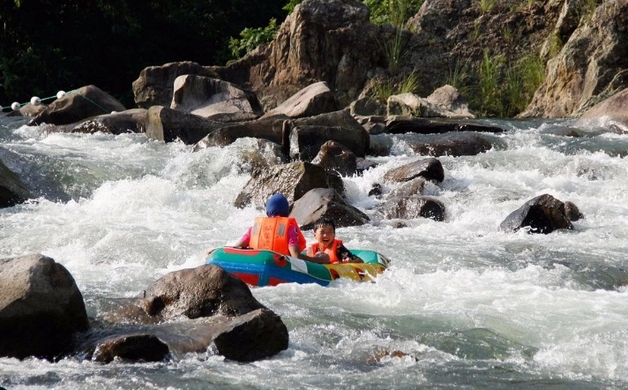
[{"x": 463, "y": 306}]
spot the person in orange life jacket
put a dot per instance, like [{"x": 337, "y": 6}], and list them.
[
  {"x": 325, "y": 234},
  {"x": 278, "y": 232}
]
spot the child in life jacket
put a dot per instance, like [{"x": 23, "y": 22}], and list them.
[{"x": 325, "y": 234}]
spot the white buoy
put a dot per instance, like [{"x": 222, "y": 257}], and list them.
[
  {"x": 60, "y": 94},
  {"x": 35, "y": 101},
  {"x": 15, "y": 106}
]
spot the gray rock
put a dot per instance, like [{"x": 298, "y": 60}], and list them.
[
  {"x": 78, "y": 105},
  {"x": 12, "y": 190},
  {"x": 292, "y": 180},
  {"x": 213, "y": 98},
  {"x": 41, "y": 308},
  {"x": 542, "y": 214},
  {"x": 325, "y": 202},
  {"x": 429, "y": 169},
  {"x": 312, "y": 100}
]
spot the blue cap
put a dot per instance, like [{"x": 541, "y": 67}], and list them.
[{"x": 277, "y": 206}]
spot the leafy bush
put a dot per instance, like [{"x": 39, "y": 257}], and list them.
[{"x": 252, "y": 38}]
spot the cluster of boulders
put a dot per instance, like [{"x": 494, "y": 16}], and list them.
[
  {"x": 42, "y": 314},
  {"x": 304, "y": 97}
]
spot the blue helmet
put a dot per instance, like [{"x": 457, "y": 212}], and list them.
[{"x": 277, "y": 206}]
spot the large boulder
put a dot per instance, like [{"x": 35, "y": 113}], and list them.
[
  {"x": 168, "y": 125},
  {"x": 542, "y": 214},
  {"x": 293, "y": 180},
  {"x": 77, "y": 105},
  {"x": 412, "y": 207},
  {"x": 12, "y": 190},
  {"x": 335, "y": 157},
  {"x": 209, "y": 98},
  {"x": 186, "y": 311},
  {"x": 325, "y": 202},
  {"x": 321, "y": 40},
  {"x": 306, "y": 135},
  {"x": 590, "y": 66},
  {"x": 271, "y": 129},
  {"x": 400, "y": 124},
  {"x": 41, "y": 308},
  {"x": 128, "y": 121},
  {"x": 450, "y": 144},
  {"x": 611, "y": 114},
  {"x": 428, "y": 168},
  {"x": 155, "y": 84},
  {"x": 312, "y": 100},
  {"x": 444, "y": 102},
  {"x": 198, "y": 292}
]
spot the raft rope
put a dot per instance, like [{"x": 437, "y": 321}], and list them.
[{"x": 15, "y": 106}]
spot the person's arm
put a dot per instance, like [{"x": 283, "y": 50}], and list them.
[
  {"x": 346, "y": 256},
  {"x": 320, "y": 257},
  {"x": 245, "y": 240}
]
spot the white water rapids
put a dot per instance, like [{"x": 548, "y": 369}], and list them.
[{"x": 464, "y": 305}]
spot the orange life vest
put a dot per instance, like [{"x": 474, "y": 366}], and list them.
[
  {"x": 332, "y": 251},
  {"x": 272, "y": 233}
]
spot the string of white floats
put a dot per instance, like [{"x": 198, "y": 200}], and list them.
[{"x": 35, "y": 101}]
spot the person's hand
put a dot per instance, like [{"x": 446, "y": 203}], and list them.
[{"x": 322, "y": 256}]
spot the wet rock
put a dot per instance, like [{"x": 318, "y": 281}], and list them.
[
  {"x": 261, "y": 336},
  {"x": 154, "y": 85},
  {"x": 610, "y": 115},
  {"x": 445, "y": 102},
  {"x": 409, "y": 124},
  {"x": 414, "y": 186},
  {"x": 203, "y": 291},
  {"x": 209, "y": 97},
  {"x": 572, "y": 211},
  {"x": 12, "y": 189},
  {"x": 306, "y": 135},
  {"x": 270, "y": 129},
  {"x": 429, "y": 169},
  {"x": 78, "y": 105},
  {"x": 168, "y": 125},
  {"x": 293, "y": 180},
  {"x": 128, "y": 121},
  {"x": 450, "y": 144},
  {"x": 542, "y": 214},
  {"x": 325, "y": 202},
  {"x": 41, "y": 308},
  {"x": 137, "y": 347},
  {"x": 412, "y": 207},
  {"x": 334, "y": 157},
  {"x": 312, "y": 100}
]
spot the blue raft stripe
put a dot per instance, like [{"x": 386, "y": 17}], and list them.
[{"x": 266, "y": 272}]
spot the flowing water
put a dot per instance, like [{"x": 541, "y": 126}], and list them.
[{"x": 463, "y": 306}]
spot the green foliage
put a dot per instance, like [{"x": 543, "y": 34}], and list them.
[
  {"x": 383, "y": 90},
  {"x": 555, "y": 44},
  {"x": 252, "y": 38},
  {"x": 48, "y": 45},
  {"x": 407, "y": 84},
  {"x": 410, "y": 83},
  {"x": 289, "y": 7},
  {"x": 458, "y": 77},
  {"x": 489, "y": 86},
  {"x": 395, "y": 12},
  {"x": 487, "y": 5},
  {"x": 394, "y": 51},
  {"x": 501, "y": 91}
]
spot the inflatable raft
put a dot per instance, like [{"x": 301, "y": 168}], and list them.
[{"x": 258, "y": 267}]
